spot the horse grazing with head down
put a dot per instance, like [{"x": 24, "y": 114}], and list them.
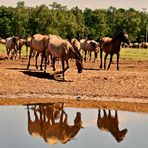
[
  {"x": 64, "y": 50},
  {"x": 112, "y": 46}
]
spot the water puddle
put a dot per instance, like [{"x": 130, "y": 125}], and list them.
[{"x": 53, "y": 125}]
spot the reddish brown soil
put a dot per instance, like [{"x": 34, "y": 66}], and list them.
[{"x": 130, "y": 84}]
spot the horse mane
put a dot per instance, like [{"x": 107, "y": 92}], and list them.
[{"x": 120, "y": 34}]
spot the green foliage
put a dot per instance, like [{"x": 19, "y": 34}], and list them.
[{"x": 70, "y": 23}]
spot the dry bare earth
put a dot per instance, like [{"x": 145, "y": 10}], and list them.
[{"x": 130, "y": 84}]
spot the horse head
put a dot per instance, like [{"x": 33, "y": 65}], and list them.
[
  {"x": 121, "y": 135},
  {"x": 125, "y": 37},
  {"x": 78, "y": 57},
  {"x": 79, "y": 62}
]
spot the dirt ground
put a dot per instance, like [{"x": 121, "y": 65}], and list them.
[{"x": 92, "y": 88}]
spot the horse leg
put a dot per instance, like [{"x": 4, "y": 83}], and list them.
[
  {"x": 63, "y": 67},
  {"x": 26, "y": 51},
  {"x": 31, "y": 50},
  {"x": 53, "y": 63},
  {"x": 95, "y": 56},
  {"x": 118, "y": 61},
  {"x": 36, "y": 60},
  {"x": 42, "y": 58},
  {"x": 7, "y": 51},
  {"x": 90, "y": 56},
  {"x": 45, "y": 67},
  {"x": 85, "y": 56},
  {"x": 12, "y": 54},
  {"x": 15, "y": 52},
  {"x": 20, "y": 53},
  {"x": 101, "y": 58},
  {"x": 105, "y": 60},
  {"x": 111, "y": 56}
]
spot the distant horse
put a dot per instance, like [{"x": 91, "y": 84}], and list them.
[
  {"x": 2, "y": 41},
  {"x": 27, "y": 43},
  {"x": 110, "y": 123},
  {"x": 21, "y": 43},
  {"x": 112, "y": 46},
  {"x": 75, "y": 42},
  {"x": 12, "y": 45},
  {"x": 90, "y": 46}
]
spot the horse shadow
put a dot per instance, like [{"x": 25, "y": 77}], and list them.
[
  {"x": 41, "y": 74},
  {"x": 45, "y": 75},
  {"x": 3, "y": 58},
  {"x": 97, "y": 69}
]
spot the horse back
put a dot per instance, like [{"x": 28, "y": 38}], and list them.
[
  {"x": 106, "y": 44},
  {"x": 58, "y": 47},
  {"x": 39, "y": 42},
  {"x": 10, "y": 43}
]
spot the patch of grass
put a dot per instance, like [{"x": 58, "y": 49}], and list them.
[
  {"x": 3, "y": 49},
  {"x": 137, "y": 53}
]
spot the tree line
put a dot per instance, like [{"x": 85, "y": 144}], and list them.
[{"x": 69, "y": 23}]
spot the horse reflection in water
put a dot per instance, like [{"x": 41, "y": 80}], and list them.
[
  {"x": 51, "y": 123},
  {"x": 110, "y": 124}
]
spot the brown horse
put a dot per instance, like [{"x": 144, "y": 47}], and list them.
[
  {"x": 21, "y": 43},
  {"x": 2, "y": 41},
  {"x": 27, "y": 43},
  {"x": 110, "y": 124},
  {"x": 112, "y": 46},
  {"x": 12, "y": 45},
  {"x": 38, "y": 43},
  {"x": 75, "y": 42},
  {"x": 91, "y": 46},
  {"x": 64, "y": 50}
]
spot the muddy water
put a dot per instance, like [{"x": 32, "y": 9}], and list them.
[{"x": 52, "y": 125}]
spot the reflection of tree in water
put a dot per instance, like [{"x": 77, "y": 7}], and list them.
[
  {"x": 51, "y": 123},
  {"x": 110, "y": 123}
]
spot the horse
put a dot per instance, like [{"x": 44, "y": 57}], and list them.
[
  {"x": 12, "y": 44},
  {"x": 38, "y": 43},
  {"x": 90, "y": 46},
  {"x": 63, "y": 50},
  {"x": 112, "y": 46},
  {"x": 75, "y": 42},
  {"x": 2, "y": 41},
  {"x": 110, "y": 124},
  {"x": 21, "y": 43}
]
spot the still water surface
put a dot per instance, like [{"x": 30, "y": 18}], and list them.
[{"x": 44, "y": 126}]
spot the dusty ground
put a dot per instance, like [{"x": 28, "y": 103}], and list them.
[{"x": 88, "y": 89}]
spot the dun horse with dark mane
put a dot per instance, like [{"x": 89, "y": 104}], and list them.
[{"x": 112, "y": 46}]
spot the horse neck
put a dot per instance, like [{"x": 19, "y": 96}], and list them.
[
  {"x": 72, "y": 54},
  {"x": 117, "y": 40}
]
